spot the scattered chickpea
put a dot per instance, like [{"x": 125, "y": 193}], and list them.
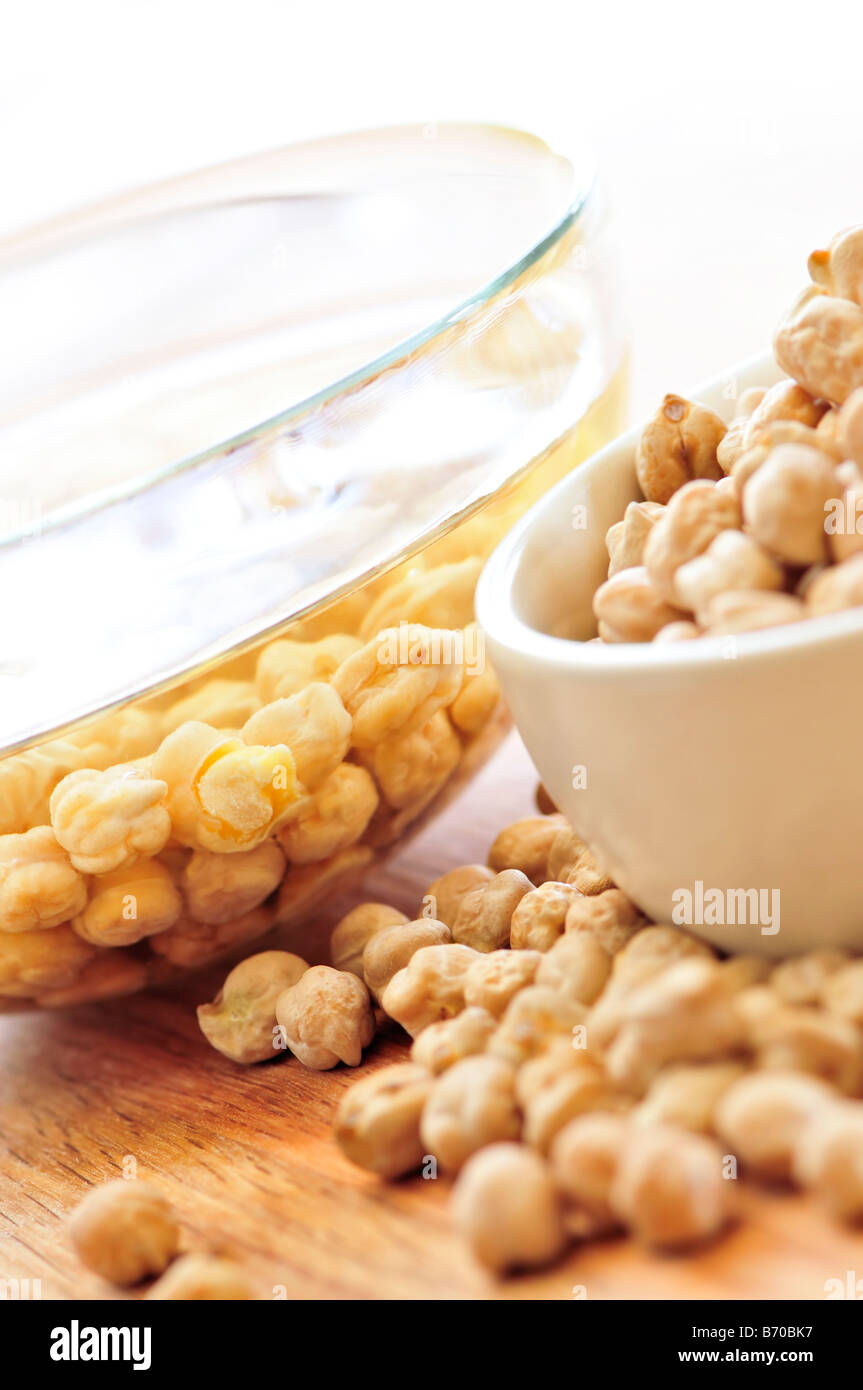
[
  {"x": 801, "y": 980},
  {"x": 241, "y": 1021},
  {"x": 687, "y": 1095},
  {"x": 441, "y": 1045},
  {"x": 429, "y": 988},
  {"x": 470, "y": 1106},
  {"x": 197, "y": 1277},
  {"x": 538, "y": 920},
  {"x": 827, "y": 1159},
  {"x": 495, "y": 977},
  {"x": 576, "y": 965},
  {"x": 378, "y": 1121},
  {"x": 326, "y": 1018},
  {"x": 125, "y": 1231},
  {"x": 585, "y": 1157},
  {"x": 570, "y": 861},
  {"x": 505, "y": 1205},
  {"x": 351, "y": 934},
  {"x": 525, "y": 845},
  {"x": 669, "y": 1188},
  {"x": 572, "y": 1091},
  {"x": 388, "y": 951},
  {"x": 443, "y": 897},
  {"x": 629, "y": 608},
  {"x": 485, "y": 913},
  {"x": 763, "y": 1114},
  {"x": 609, "y": 916},
  {"x": 534, "y": 1019},
  {"x": 842, "y": 992}
]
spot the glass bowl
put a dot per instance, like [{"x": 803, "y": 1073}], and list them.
[{"x": 250, "y": 419}]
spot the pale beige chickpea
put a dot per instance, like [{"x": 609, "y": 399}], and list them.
[
  {"x": 411, "y": 768},
  {"x": 443, "y": 897},
  {"x": 585, "y": 1156},
  {"x": 687, "y": 1095},
  {"x": 199, "y": 1277},
  {"x": 827, "y": 1160},
  {"x": 801, "y": 979},
  {"x": 34, "y": 961},
  {"x": 534, "y": 1020},
  {"x": 682, "y": 631},
  {"x": 733, "y": 560},
  {"x": 285, "y": 667},
  {"x": 495, "y": 977},
  {"x": 334, "y": 817},
  {"x": 39, "y": 887},
  {"x": 785, "y": 501},
  {"x": 570, "y": 861},
  {"x": 739, "y": 611},
  {"x": 484, "y": 915},
  {"x": 609, "y": 916},
  {"x": 669, "y": 1188},
  {"x": 505, "y": 1205},
  {"x": 129, "y": 904},
  {"x": 241, "y": 1021},
  {"x": 441, "y": 1045},
  {"x": 836, "y": 588},
  {"x": 842, "y": 992},
  {"x": 626, "y": 539},
  {"x": 377, "y": 1125},
  {"x": 356, "y": 928},
  {"x": 570, "y": 1092},
  {"x": 470, "y": 1106},
  {"x": 629, "y": 607},
  {"x": 525, "y": 845},
  {"x": 785, "y": 403},
  {"x": 218, "y": 887},
  {"x": 429, "y": 988},
  {"x": 477, "y": 701},
  {"x": 577, "y": 965},
  {"x": 326, "y": 1018},
  {"x": 849, "y": 428},
  {"x": 678, "y": 444},
  {"x": 125, "y": 1231},
  {"x": 762, "y": 1116},
  {"x": 538, "y": 919},
  {"x": 314, "y": 724},
  {"x": 730, "y": 446},
  {"x": 844, "y": 518},
  {"x": 105, "y": 820},
  {"x": 798, "y": 1038},
  {"x": 440, "y": 597},
  {"x": 697, "y": 513},
  {"x": 839, "y": 269},
  {"x": 388, "y": 951},
  {"x": 398, "y": 681},
  {"x": 820, "y": 344}
]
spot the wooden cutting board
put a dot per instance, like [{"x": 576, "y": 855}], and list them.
[{"x": 246, "y": 1156}]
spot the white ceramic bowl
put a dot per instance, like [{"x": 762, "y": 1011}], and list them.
[{"x": 733, "y": 762}]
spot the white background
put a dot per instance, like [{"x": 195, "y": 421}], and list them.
[{"x": 729, "y": 136}]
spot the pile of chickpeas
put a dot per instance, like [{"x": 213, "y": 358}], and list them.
[{"x": 754, "y": 525}]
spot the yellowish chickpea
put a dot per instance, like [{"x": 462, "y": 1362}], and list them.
[
  {"x": 389, "y": 951},
  {"x": 218, "y": 887},
  {"x": 398, "y": 681},
  {"x": 39, "y": 888},
  {"x": 525, "y": 845},
  {"x": 326, "y": 1018},
  {"x": 314, "y": 724},
  {"x": 125, "y": 1231},
  {"x": 412, "y": 767},
  {"x": 441, "y": 597},
  {"x": 129, "y": 904},
  {"x": 442, "y": 898},
  {"x": 105, "y": 820},
  {"x": 198, "y": 1278},
  {"x": 34, "y": 961},
  {"x": 305, "y": 886},
  {"x": 285, "y": 667},
  {"x": 333, "y": 818},
  {"x": 241, "y": 1021},
  {"x": 356, "y": 928},
  {"x": 190, "y": 943},
  {"x": 505, "y": 1206},
  {"x": 378, "y": 1121}
]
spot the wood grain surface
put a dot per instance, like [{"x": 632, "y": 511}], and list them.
[{"x": 246, "y": 1156}]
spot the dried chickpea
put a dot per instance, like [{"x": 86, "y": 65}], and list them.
[
  {"x": 190, "y": 943},
  {"x": 538, "y": 920},
  {"x": 820, "y": 344},
  {"x": 843, "y": 540},
  {"x": 505, "y": 1206},
  {"x": 570, "y": 861},
  {"x": 733, "y": 560},
  {"x": 484, "y": 915},
  {"x": 801, "y": 979},
  {"x": 411, "y": 768},
  {"x": 677, "y": 632},
  {"x": 848, "y": 423},
  {"x": 585, "y": 1157},
  {"x": 34, "y": 961},
  {"x": 525, "y": 845},
  {"x": 576, "y": 965},
  {"x": 285, "y": 667},
  {"x": 836, "y": 588},
  {"x": 443, "y": 897},
  {"x": 570, "y": 1092},
  {"x": 378, "y": 1122},
  {"x": 241, "y": 1021},
  {"x": 730, "y": 446},
  {"x": 842, "y": 992},
  {"x": 697, "y": 513},
  {"x": 477, "y": 700},
  {"x": 333, "y": 818},
  {"x": 218, "y": 887},
  {"x": 441, "y": 1045},
  {"x": 763, "y": 1115},
  {"x": 125, "y": 1231},
  {"x": 356, "y": 928},
  {"x": 314, "y": 724},
  {"x": 429, "y": 988},
  {"x": 785, "y": 500},
  {"x": 669, "y": 1188},
  {"x": 438, "y": 597},
  {"x": 388, "y": 951},
  {"x": 687, "y": 1096},
  {"x": 827, "y": 1159},
  {"x": 797, "y": 1038},
  {"x": 27, "y": 780},
  {"x": 678, "y": 444},
  {"x": 326, "y": 1018},
  {"x": 224, "y": 795},
  {"x": 198, "y": 1278},
  {"x": 785, "y": 403},
  {"x": 610, "y": 917},
  {"x": 39, "y": 888},
  {"x": 629, "y": 608},
  {"x": 534, "y": 1020},
  {"x": 749, "y": 610},
  {"x": 226, "y": 704},
  {"x": 470, "y": 1106},
  {"x": 398, "y": 681},
  {"x": 105, "y": 820},
  {"x": 128, "y": 904},
  {"x": 496, "y": 976},
  {"x": 839, "y": 269},
  {"x": 626, "y": 539}
]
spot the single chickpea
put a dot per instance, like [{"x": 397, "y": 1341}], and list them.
[
  {"x": 378, "y": 1122},
  {"x": 505, "y": 1206},
  {"x": 125, "y": 1231},
  {"x": 762, "y": 1117},
  {"x": 441, "y": 1045},
  {"x": 477, "y": 701},
  {"x": 677, "y": 632},
  {"x": 629, "y": 608},
  {"x": 801, "y": 979},
  {"x": 827, "y": 1159},
  {"x": 39, "y": 888},
  {"x": 577, "y": 965},
  {"x": 785, "y": 500},
  {"x": 412, "y": 767},
  {"x": 356, "y": 928},
  {"x": 697, "y": 513},
  {"x": 441, "y": 597},
  {"x": 678, "y": 444},
  {"x": 470, "y": 1106},
  {"x": 570, "y": 861},
  {"x": 389, "y": 951},
  {"x": 496, "y": 976},
  {"x": 608, "y": 916},
  {"x": 626, "y": 539},
  {"x": 687, "y": 1096},
  {"x": 534, "y": 1020},
  {"x": 443, "y": 897},
  {"x": 669, "y": 1188},
  {"x": 34, "y": 961},
  {"x": 285, "y": 667},
  {"x": 314, "y": 724},
  {"x": 838, "y": 587},
  {"x": 538, "y": 920},
  {"x": 820, "y": 344},
  {"x": 585, "y": 1157},
  {"x": 333, "y": 818},
  {"x": 326, "y": 1018},
  {"x": 106, "y": 820},
  {"x": 198, "y": 1278},
  {"x": 570, "y": 1092},
  {"x": 749, "y": 610},
  {"x": 525, "y": 845},
  {"x": 398, "y": 681},
  {"x": 839, "y": 269},
  {"x": 733, "y": 560},
  {"x": 429, "y": 988},
  {"x": 128, "y": 904},
  {"x": 484, "y": 915},
  {"x": 797, "y": 1038},
  {"x": 218, "y": 887},
  {"x": 241, "y": 1021}
]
